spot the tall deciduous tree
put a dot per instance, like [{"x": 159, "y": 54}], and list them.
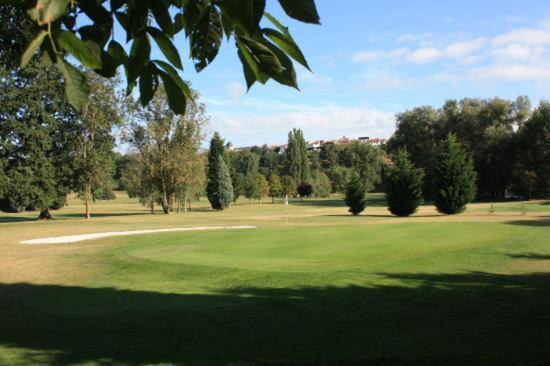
[
  {"x": 263, "y": 187},
  {"x": 167, "y": 149},
  {"x": 403, "y": 184},
  {"x": 455, "y": 178},
  {"x": 296, "y": 156},
  {"x": 95, "y": 163},
  {"x": 275, "y": 187},
  {"x": 37, "y": 140}
]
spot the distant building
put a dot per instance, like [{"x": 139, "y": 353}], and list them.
[{"x": 316, "y": 145}]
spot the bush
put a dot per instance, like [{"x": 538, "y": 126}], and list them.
[
  {"x": 305, "y": 189},
  {"x": 455, "y": 178},
  {"x": 355, "y": 195},
  {"x": 403, "y": 186}
]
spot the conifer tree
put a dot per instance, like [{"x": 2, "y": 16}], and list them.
[
  {"x": 403, "y": 186},
  {"x": 296, "y": 156},
  {"x": 216, "y": 151},
  {"x": 455, "y": 178},
  {"x": 221, "y": 194},
  {"x": 355, "y": 195}
]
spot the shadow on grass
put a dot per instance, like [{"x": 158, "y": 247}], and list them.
[
  {"x": 101, "y": 214},
  {"x": 11, "y": 219},
  {"x": 540, "y": 222},
  {"x": 374, "y": 201},
  {"x": 422, "y": 319},
  {"x": 533, "y": 256}
]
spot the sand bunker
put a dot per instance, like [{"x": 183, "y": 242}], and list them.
[{"x": 82, "y": 237}]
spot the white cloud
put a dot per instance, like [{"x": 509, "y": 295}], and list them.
[
  {"x": 461, "y": 49},
  {"x": 408, "y": 37},
  {"x": 516, "y": 52},
  {"x": 525, "y": 36},
  {"x": 317, "y": 122},
  {"x": 516, "y": 72},
  {"x": 235, "y": 90},
  {"x": 424, "y": 55},
  {"x": 360, "y": 57}
]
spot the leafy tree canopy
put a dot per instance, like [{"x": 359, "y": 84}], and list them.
[{"x": 84, "y": 30}]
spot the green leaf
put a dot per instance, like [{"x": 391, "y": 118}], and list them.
[
  {"x": 118, "y": 53},
  {"x": 139, "y": 55},
  {"x": 79, "y": 49},
  {"x": 170, "y": 70},
  {"x": 99, "y": 35},
  {"x": 267, "y": 61},
  {"x": 32, "y": 48},
  {"x": 247, "y": 70},
  {"x": 205, "y": 38},
  {"x": 176, "y": 98},
  {"x": 288, "y": 74},
  {"x": 178, "y": 23},
  {"x": 166, "y": 46},
  {"x": 287, "y": 44},
  {"x": 243, "y": 14},
  {"x": 96, "y": 12},
  {"x": 160, "y": 11},
  {"x": 47, "y": 11},
  {"x": 76, "y": 87},
  {"x": 303, "y": 10},
  {"x": 250, "y": 64},
  {"x": 147, "y": 86}
]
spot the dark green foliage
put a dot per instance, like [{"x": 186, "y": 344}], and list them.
[
  {"x": 534, "y": 150},
  {"x": 82, "y": 30},
  {"x": 297, "y": 157},
  {"x": 304, "y": 189},
  {"x": 216, "y": 152},
  {"x": 221, "y": 194},
  {"x": 355, "y": 195},
  {"x": 38, "y": 133},
  {"x": 403, "y": 184},
  {"x": 455, "y": 178},
  {"x": 244, "y": 173}
]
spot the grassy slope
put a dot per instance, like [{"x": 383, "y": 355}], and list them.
[{"x": 319, "y": 288}]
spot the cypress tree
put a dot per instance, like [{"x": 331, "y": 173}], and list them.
[
  {"x": 296, "y": 156},
  {"x": 403, "y": 186},
  {"x": 216, "y": 151},
  {"x": 222, "y": 189},
  {"x": 355, "y": 195},
  {"x": 455, "y": 178}
]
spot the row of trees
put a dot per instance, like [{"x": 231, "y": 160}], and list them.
[
  {"x": 453, "y": 186},
  {"x": 261, "y": 171},
  {"x": 509, "y": 143}
]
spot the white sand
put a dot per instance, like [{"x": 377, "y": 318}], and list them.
[{"x": 82, "y": 237}]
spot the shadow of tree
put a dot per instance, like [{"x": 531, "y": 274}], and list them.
[
  {"x": 424, "y": 319},
  {"x": 539, "y": 222},
  {"x": 534, "y": 256},
  {"x": 12, "y": 219}
]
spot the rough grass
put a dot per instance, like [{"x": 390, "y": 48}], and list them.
[{"x": 313, "y": 285}]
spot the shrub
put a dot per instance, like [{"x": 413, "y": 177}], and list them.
[
  {"x": 355, "y": 195},
  {"x": 403, "y": 186},
  {"x": 305, "y": 189},
  {"x": 455, "y": 178}
]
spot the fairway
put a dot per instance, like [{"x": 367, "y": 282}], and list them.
[{"x": 310, "y": 285}]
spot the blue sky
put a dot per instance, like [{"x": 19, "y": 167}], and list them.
[{"x": 372, "y": 59}]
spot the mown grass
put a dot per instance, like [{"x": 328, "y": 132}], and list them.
[{"x": 310, "y": 286}]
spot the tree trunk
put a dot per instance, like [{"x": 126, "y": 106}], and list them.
[
  {"x": 164, "y": 200},
  {"x": 45, "y": 214},
  {"x": 88, "y": 197},
  {"x": 272, "y": 199},
  {"x": 185, "y": 203}
]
